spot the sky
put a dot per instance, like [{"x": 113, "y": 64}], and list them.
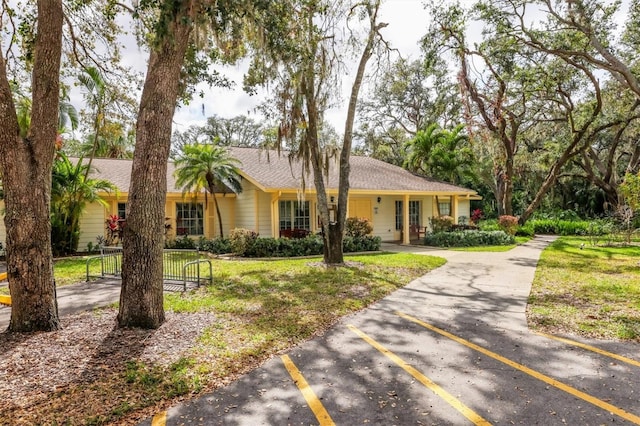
[{"x": 408, "y": 21}]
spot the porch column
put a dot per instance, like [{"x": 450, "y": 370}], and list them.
[
  {"x": 405, "y": 220},
  {"x": 454, "y": 208},
  {"x": 275, "y": 215}
]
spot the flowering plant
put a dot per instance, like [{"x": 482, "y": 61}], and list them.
[{"x": 476, "y": 215}]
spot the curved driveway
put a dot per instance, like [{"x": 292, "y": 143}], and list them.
[{"x": 450, "y": 348}]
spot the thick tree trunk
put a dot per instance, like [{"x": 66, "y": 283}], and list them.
[
  {"x": 141, "y": 297},
  {"x": 26, "y": 165}
]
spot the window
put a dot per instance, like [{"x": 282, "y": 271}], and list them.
[
  {"x": 445, "y": 208},
  {"x": 189, "y": 219},
  {"x": 414, "y": 214},
  {"x": 295, "y": 215},
  {"x": 122, "y": 210}
]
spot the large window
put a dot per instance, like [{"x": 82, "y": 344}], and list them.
[
  {"x": 122, "y": 210},
  {"x": 445, "y": 208},
  {"x": 399, "y": 216},
  {"x": 295, "y": 215},
  {"x": 189, "y": 219},
  {"x": 414, "y": 214}
]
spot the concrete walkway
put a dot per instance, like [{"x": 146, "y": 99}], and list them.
[{"x": 460, "y": 363}]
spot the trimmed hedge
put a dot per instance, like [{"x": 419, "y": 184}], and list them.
[
  {"x": 309, "y": 246},
  {"x": 469, "y": 239}
]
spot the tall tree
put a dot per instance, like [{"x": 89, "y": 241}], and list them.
[
  {"x": 210, "y": 167},
  {"x": 302, "y": 58},
  {"x": 176, "y": 60},
  {"x": 26, "y": 171}
]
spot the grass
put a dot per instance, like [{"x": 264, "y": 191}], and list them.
[
  {"x": 592, "y": 291},
  {"x": 259, "y": 308}
]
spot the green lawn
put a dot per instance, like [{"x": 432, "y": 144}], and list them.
[{"x": 593, "y": 290}]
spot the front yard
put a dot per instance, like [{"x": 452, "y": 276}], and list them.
[{"x": 92, "y": 373}]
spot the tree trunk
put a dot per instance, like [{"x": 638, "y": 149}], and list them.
[
  {"x": 141, "y": 297},
  {"x": 215, "y": 203},
  {"x": 26, "y": 165}
]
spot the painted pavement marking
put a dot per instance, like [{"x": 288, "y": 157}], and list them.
[
  {"x": 474, "y": 417},
  {"x": 553, "y": 382},
  {"x": 324, "y": 419},
  {"x": 592, "y": 349},
  {"x": 159, "y": 419}
]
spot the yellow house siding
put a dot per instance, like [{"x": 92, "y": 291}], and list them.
[
  {"x": 227, "y": 208},
  {"x": 92, "y": 225},
  {"x": 263, "y": 226},
  {"x": 384, "y": 218},
  {"x": 464, "y": 208},
  {"x": 245, "y": 207}
]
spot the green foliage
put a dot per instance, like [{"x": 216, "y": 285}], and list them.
[
  {"x": 356, "y": 227},
  {"x": 508, "y": 224},
  {"x": 630, "y": 189},
  {"x": 183, "y": 242},
  {"x": 469, "y": 239},
  {"x": 71, "y": 191},
  {"x": 441, "y": 154},
  {"x": 209, "y": 167},
  {"x": 562, "y": 227},
  {"x": 249, "y": 245},
  {"x": 527, "y": 230},
  {"x": 441, "y": 224},
  {"x": 216, "y": 245},
  {"x": 242, "y": 240}
]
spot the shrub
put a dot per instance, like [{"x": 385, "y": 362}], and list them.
[
  {"x": 364, "y": 243},
  {"x": 242, "y": 240},
  {"x": 215, "y": 245},
  {"x": 441, "y": 224},
  {"x": 357, "y": 227},
  {"x": 476, "y": 215},
  {"x": 489, "y": 225},
  {"x": 526, "y": 230},
  {"x": 508, "y": 224},
  {"x": 560, "y": 227},
  {"x": 312, "y": 245},
  {"x": 469, "y": 239},
  {"x": 183, "y": 242}
]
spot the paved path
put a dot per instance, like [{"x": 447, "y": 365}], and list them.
[
  {"x": 77, "y": 298},
  {"x": 471, "y": 360}
]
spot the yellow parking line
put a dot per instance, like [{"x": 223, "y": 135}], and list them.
[
  {"x": 474, "y": 417},
  {"x": 593, "y": 349},
  {"x": 159, "y": 419},
  {"x": 5, "y": 300},
  {"x": 571, "y": 390},
  {"x": 324, "y": 419}
]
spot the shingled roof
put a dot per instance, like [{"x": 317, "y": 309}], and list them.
[{"x": 271, "y": 171}]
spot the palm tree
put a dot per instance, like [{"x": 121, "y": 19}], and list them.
[
  {"x": 71, "y": 191},
  {"x": 96, "y": 97},
  {"x": 442, "y": 154},
  {"x": 210, "y": 167}
]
